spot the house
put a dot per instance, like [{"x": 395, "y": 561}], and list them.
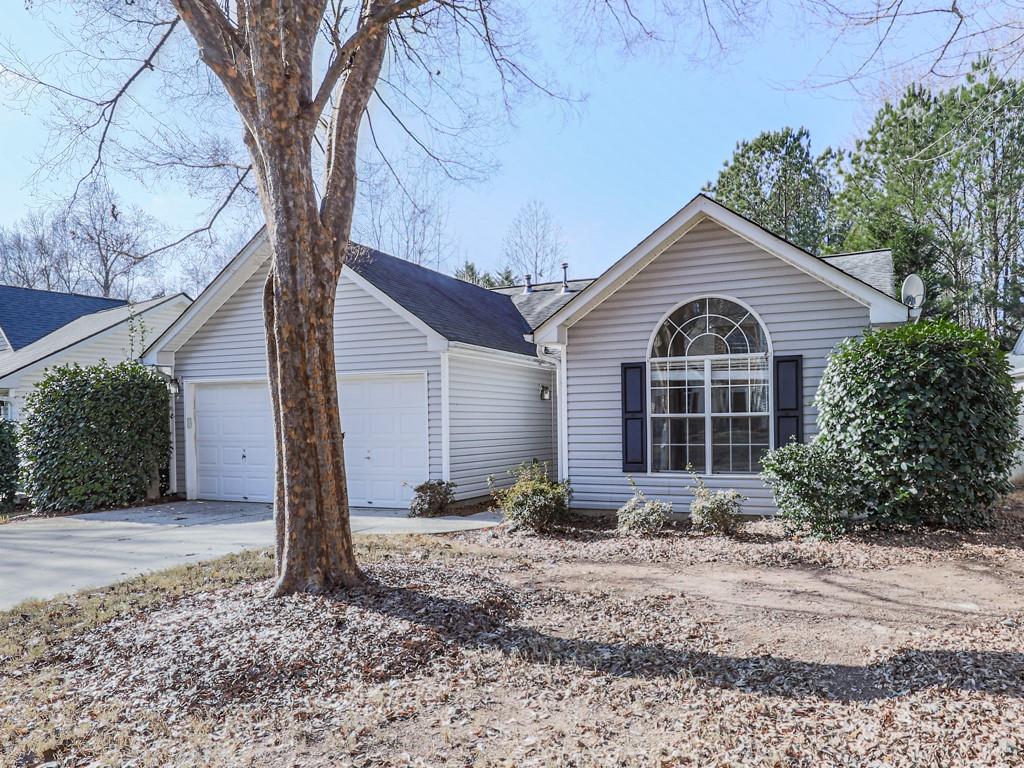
[
  {"x": 702, "y": 347},
  {"x": 44, "y": 329}
]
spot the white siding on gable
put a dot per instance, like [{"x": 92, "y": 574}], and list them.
[
  {"x": 497, "y": 420},
  {"x": 369, "y": 338},
  {"x": 803, "y": 316}
]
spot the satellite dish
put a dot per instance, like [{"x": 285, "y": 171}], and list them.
[{"x": 913, "y": 291}]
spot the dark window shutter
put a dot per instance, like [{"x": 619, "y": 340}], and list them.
[
  {"x": 634, "y": 417},
  {"x": 789, "y": 399}
]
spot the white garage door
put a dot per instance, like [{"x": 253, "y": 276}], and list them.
[{"x": 385, "y": 423}]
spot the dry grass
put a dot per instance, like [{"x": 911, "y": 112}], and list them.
[{"x": 459, "y": 654}]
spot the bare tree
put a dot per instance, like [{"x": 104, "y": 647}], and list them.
[
  {"x": 37, "y": 252},
  {"x": 406, "y": 219},
  {"x": 922, "y": 39},
  {"x": 111, "y": 242},
  {"x": 97, "y": 246},
  {"x": 533, "y": 244},
  {"x": 417, "y": 61}
]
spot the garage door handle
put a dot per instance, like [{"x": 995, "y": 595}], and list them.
[{"x": 368, "y": 456}]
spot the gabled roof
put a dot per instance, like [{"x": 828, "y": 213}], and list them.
[
  {"x": 448, "y": 309},
  {"x": 77, "y": 331},
  {"x": 27, "y": 314},
  {"x": 457, "y": 310},
  {"x": 543, "y": 300},
  {"x": 882, "y": 307}
]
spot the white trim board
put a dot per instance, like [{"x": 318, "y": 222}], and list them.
[{"x": 882, "y": 308}]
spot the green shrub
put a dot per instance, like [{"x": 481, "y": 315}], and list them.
[
  {"x": 814, "y": 488},
  {"x": 94, "y": 436},
  {"x": 927, "y": 414},
  {"x": 432, "y": 498},
  {"x": 641, "y": 516},
  {"x": 715, "y": 512},
  {"x": 9, "y": 466},
  {"x": 534, "y": 501}
]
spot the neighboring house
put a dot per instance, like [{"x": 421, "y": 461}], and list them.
[
  {"x": 702, "y": 347},
  {"x": 44, "y": 329}
]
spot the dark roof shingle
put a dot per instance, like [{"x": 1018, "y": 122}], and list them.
[
  {"x": 458, "y": 310},
  {"x": 27, "y": 314}
]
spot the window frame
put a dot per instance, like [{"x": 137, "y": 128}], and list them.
[{"x": 708, "y": 415}]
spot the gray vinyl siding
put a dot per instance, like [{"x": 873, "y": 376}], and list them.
[
  {"x": 179, "y": 441},
  {"x": 369, "y": 338},
  {"x": 497, "y": 421},
  {"x": 803, "y": 316}
]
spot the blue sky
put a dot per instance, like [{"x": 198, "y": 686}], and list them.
[{"x": 653, "y": 129}]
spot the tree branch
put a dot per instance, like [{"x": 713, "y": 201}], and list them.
[{"x": 373, "y": 25}]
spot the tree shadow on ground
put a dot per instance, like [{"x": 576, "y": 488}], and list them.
[{"x": 500, "y": 623}]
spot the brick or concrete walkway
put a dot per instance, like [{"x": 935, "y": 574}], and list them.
[{"x": 46, "y": 557}]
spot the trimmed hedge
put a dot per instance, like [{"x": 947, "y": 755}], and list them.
[
  {"x": 9, "y": 466},
  {"x": 95, "y": 436},
  {"x": 919, "y": 423}
]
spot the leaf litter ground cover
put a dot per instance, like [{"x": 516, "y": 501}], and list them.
[{"x": 468, "y": 653}]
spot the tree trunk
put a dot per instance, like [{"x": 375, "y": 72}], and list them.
[{"x": 313, "y": 541}]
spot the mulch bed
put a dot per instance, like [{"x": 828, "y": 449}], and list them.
[{"x": 765, "y": 542}]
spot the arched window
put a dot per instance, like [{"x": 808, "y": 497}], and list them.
[{"x": 709, "y": 364}]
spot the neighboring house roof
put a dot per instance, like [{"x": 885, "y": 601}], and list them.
[
  {"x": 882, "y": 307},
  {"x": 457, "y": 310},
  {"x": 543, "y": 300},
  {"x": 872, "y": 267},
  {"x": 77, "y": 331},
  {"x": 27, "y": 314}
]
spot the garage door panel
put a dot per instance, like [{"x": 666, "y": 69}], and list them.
[{"x": 384, "y": 419}]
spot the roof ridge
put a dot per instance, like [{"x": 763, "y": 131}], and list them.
[{"x": 63, "y": 293}]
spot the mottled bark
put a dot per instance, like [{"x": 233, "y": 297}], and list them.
[{"x": 266, "y": 63}]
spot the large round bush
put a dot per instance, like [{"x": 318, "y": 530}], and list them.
[
  {"x": 95, "y": 436},
  {"x": 926, "y": 416}
]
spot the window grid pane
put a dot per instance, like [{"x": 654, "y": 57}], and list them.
[{"x": 730, "y": 399}]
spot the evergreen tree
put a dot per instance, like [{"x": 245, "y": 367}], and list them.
[
  {"x": 776, "y": 181},
  {"x": 940, "y": 180}
]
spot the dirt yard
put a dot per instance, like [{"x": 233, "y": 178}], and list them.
[{"x": 582, "y": 649}]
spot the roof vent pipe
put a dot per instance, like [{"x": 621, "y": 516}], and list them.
[
  {"x": 528, "y": 288},
  {"x": 565, "y": 277}
]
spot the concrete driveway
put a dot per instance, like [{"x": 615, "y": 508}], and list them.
[{"x": 46, "y": 557}]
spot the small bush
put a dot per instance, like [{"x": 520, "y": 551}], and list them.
[
  {"x": 715, "y": 512},
  {"x": 95, "y": 436},
  {"x": 534, "y": 501},
  {"x": 9, "y": 467},
  {"x": 815, "y": 489},
  {"x": 641, "y": 516},
  {"x": 432, "y": 498},
  {"x": 927, "y": 415}
]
